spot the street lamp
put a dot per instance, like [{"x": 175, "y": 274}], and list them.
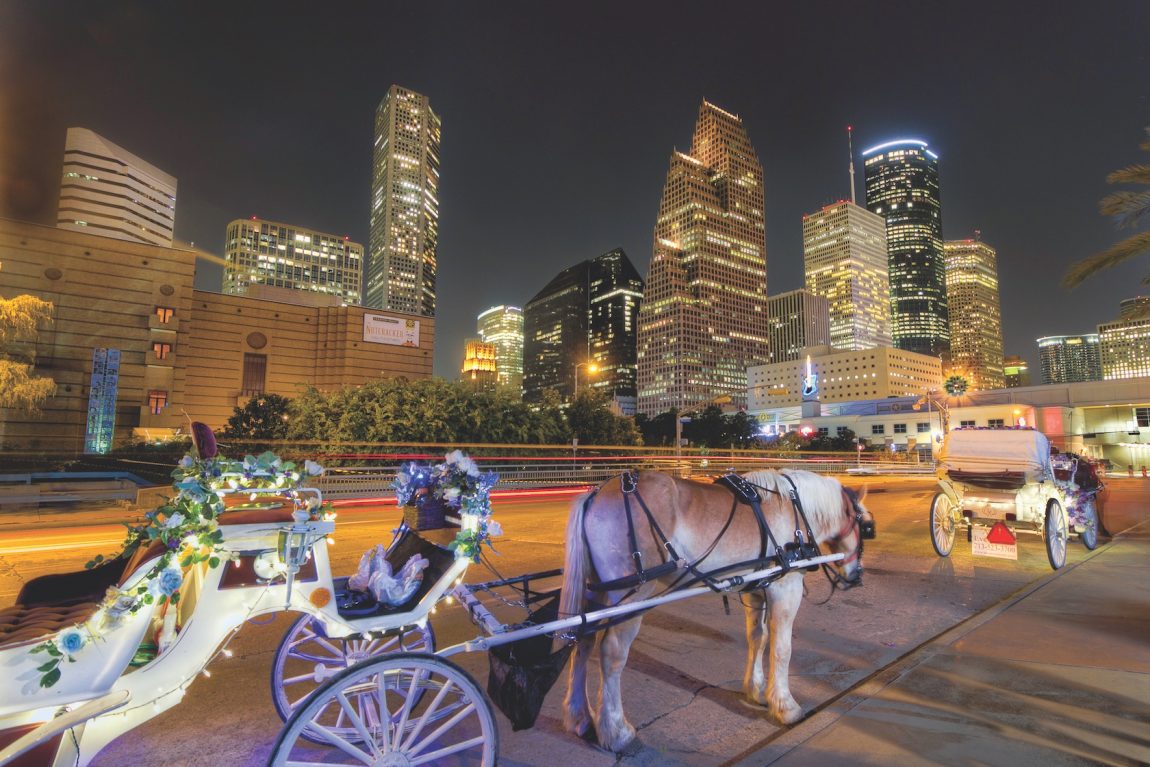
[{"x": 592, "y": 369}]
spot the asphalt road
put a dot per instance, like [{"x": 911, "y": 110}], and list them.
[{"x": 682, "y": 686}]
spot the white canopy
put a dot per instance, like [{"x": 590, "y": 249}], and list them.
[{"x": 981, "y": 450}]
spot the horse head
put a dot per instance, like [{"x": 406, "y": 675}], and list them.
[{"x": 857, "y": 526}]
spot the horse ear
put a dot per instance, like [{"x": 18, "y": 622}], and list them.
[{"x": 860, "y": 493}]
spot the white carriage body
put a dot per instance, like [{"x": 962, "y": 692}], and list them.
[{"x": 999, "y": 474}]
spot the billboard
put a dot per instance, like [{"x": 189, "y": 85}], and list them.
[{"x": 381, "y": 329}]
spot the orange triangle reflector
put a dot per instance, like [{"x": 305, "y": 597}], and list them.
[{"x": 1000, "y": 533}]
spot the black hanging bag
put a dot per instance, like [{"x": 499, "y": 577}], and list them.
[{"x": 522, "y": 673}]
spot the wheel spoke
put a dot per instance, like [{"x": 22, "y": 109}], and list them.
[
  {"x": 357, "y": 723},
  {"x": 436, "y": 755},
  {"x": 426, "y": 717},
  {"x": 443, "y": 727}
]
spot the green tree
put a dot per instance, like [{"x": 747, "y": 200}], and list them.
[
  {"x": 658, "y": 431},
  {"x": 592, "y": 422},
  {"x": 20, "y": 318},
  {"x": 1128, "y": 209},
  {"x": 262, "y": 417}
]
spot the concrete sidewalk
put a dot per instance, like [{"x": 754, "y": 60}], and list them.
[{"x": 1058, "y": 674}]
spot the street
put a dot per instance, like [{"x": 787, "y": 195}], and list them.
[{"x": 682, "y": 684}]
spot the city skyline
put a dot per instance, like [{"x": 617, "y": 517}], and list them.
[{"x": 530, "y": 106}]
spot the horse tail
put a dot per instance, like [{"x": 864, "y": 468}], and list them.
[{"x": 574, "y": 560}]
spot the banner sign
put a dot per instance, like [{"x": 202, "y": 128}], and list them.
[
  {"x": 990, "y": 542},
  {"x": 102, "y": 390},
  {"x": 379, "y": 329}
]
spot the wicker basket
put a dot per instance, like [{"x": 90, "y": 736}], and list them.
[{"x": 427, "y": 514}]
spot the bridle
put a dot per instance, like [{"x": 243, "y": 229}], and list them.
[{"x": 866, "y": 529}]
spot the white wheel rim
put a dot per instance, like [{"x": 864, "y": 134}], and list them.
[
  {"x": 943, "y": 525},
  {"x": 400, "y": 713},
  {"x": 1057, "y": 536},
  {"x": 312, "y": 659}
]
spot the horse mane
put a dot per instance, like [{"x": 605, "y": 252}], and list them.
[{"x": 821, "y": 496}]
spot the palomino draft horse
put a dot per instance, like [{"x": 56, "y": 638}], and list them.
[{"x": 701, "y": 526}]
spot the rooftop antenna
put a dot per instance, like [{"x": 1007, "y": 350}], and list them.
[{"x": 851, "y": 150}]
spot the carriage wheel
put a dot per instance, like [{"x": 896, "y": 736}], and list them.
[
  {"x": 306, "y": 658},
  {"x": 942, "y": 524},
  {"x": 1089, "y": 533},
  {"x": 405, "y": 709},
  {"x": 1055, "y": 533}
]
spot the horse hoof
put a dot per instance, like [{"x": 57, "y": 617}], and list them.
[
  {"x": 619, "y": 741},
  {"x": 788, "y": 714},
  {"x": 579, "y": 724}
]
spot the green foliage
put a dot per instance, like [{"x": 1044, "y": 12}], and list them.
[
  {"x": 262, "y": 418},
  {"x": 430, "y": 410},
  {"x": 1128, "y": 210},
  {"x": 592, "y": 422},
  {"x": 19, "y": 388},
  {"x": 710, "y": 428}
]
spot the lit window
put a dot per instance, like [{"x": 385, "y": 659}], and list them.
[
  {"x": 165, "y": 313},
  {"x": 157, "y": 401},
  {"x": 161, "y": 350}
]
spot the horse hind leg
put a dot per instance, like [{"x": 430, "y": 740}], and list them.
[
  {"x": 615, "y": 732},
  {"x": 576, "y": 708},
  {"x": 784, "y": 600},
  {"x": 754, "y": 680}
]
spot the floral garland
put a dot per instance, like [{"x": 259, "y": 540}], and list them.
[
  {"x": 187, "y": 526},
  {"x": 458, "y": 483}
]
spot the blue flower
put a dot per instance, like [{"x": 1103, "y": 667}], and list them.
[
  {"x": 70, "y": 641},
  {"x": 169, "y": 581}
]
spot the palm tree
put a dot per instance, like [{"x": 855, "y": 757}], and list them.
[{"x": 1127, "y": 208}]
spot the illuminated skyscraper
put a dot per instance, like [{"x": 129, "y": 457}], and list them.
[
  {"x": 704, "y": 321},
  {"x": 902, "y": 187},
  {"x": 1016, "y": 371},
  {"x": 798, "y": 319},
  {"x": 502, "y": 326},
  {"x": 286, "y": 256},
  {"x": 972, "y": 297},
  {"x": 844, "y": 250},
  {"x": 404, "y": 237},
  {"x": 109, "y": 191},
  {"x": 1125, "y": 342},
  {"x": 479, "y": 365},
  {"x": 1070, "y": 359},
  {"x": 584, "y": 320}
]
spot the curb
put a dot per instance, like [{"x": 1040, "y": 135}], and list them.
[{"x": 829, "y": 712}]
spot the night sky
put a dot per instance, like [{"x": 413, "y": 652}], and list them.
[{"x": 558, "y": 124}]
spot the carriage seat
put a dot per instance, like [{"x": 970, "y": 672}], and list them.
[
  {"x": 407, "y": 544},
  {"x": 239, "y": 509},
  {"x": 19, "y": 623},
  {"x": 47, "y": 604}
]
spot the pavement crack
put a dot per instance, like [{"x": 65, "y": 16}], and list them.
[{"x": 628, "y": 752}]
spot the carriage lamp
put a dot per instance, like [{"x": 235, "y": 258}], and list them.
[{"x": 293, "y": 550}]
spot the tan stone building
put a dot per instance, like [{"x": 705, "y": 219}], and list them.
[
  {"x": 843, "y": 376},
  {"x": 133, "y": 345}
]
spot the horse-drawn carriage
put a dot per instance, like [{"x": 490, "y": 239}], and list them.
[
  {"x": 996, "y": 482},
  {"x": 364, "y": 684}
]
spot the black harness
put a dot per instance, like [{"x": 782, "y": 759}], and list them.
[{"x": 744, "y": 493}]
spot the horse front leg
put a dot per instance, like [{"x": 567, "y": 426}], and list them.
[
  {"x": 614, "y": 730},
  {"x": 577, "y": 711},
  {"x": 754, "y": 681},
  {"x": 784, "y": 597}
]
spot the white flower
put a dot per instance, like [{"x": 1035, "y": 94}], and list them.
[
  {"x": 494, "y": 529},
  {"x": 451, "y": 494},
  {"x": 468, "y": 467},
  {"x": 311, "y": 468},
  {"x": 175, "y": 520},
  {"x": 455, "y": 457},
  {"x": 186, "y": 462}
]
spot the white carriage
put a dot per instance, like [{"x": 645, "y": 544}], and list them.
[
  {"x": 997, "y": 482},
  {"x": 355, "y": 685}
]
